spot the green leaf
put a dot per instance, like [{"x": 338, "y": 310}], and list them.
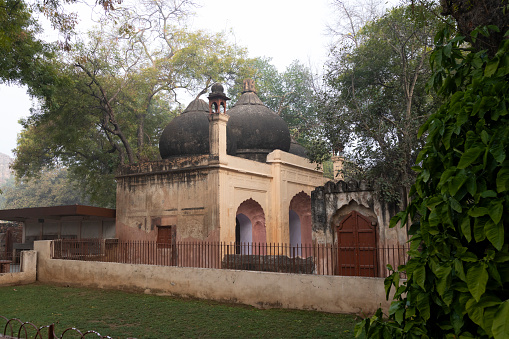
[
  {"x": 500, "y": 327},
  {"x": 495, "y": 210},
  {"x": 495, "y": 233},
  {"x": 360, "y": 327},
  {"x": 503, "y": 180},
  {"x": 458, "y": 268},
  {"x": 456, "y": 182},
  {"x": 444, "y": 279},
  {"x": 501, "y": 257},
  {"x": 465, "y": 228},
  {"x": 396, "y": 306},
  {"x": 470, "y": 156},
  {"x": 423, "y": 305},
  {"x": 447, "y": 50},
  {"x": 471, "y": 185},
  {"x": 399, "y": 315},
  {"x": 468, "y": 257},
  {"x": 493, "y": 272},
  {"x": 489, "y": 315},
  {"x": 456, "y": 321},
  {"x": 485, "y": 137},
  {"x": 491, "y": 67},
  {"x": 395, "y": 219},
  {"x": 475, "y": 312},
  {"x": 455, "y": 204},
  {"x": 479, "y": 234},
  {"x": 489, "y": 194},
  {"x": 420, "y": 276},
  {"x": 478, "y": 212},
  {"x": 498, "y": 152},
  {"x": 477, "y": 278}
]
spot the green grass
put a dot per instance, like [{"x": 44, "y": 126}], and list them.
[{"x": 121, "y": 315}]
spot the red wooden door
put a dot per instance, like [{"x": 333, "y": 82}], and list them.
[{"x": 357, "y": 246}]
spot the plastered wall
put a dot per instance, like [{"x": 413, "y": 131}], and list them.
[
  {"x": 260, "y": 289},
  {"x": 201, "y": 195},
  {"x": 27, "y": 274}
]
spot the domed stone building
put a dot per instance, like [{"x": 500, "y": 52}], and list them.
[{"x": 225, "y": 175}]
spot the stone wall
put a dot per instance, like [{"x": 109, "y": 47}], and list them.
[
  {"x": 27, "y": 274},
  {"x": 261, "y": 289},
  {"x": 334, "y": 200}
]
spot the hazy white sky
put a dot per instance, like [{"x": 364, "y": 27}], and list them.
[{"x": 284, "y": 30}]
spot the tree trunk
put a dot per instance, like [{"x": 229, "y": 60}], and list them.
[
  {"x": 470, "y": 14},
  {"x": 141, "y": 127}
]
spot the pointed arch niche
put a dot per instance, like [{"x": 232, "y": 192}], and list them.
[
  {"x": 300, "y": 220},
  {"x": 250, "y": 223}
]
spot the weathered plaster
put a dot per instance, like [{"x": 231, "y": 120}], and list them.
[
  {"x": 261, "y": 289},
  {"x": 201, "y": 195},
  {"x": 334, "y": 200},
  {"x": 27, "y": 274}
]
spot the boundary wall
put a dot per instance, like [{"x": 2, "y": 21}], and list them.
[
  {"x": 336, "y": 294},
  {"x": 27, "y": 273}
]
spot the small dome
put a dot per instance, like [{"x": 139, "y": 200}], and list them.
[
  {"x": 297, "y": 149},
  {"x": 188, "y": 133},
  {"x": 217, "y": 88},
  {"x": 254, "y": 130}
]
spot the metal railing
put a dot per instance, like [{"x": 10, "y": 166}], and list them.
[
  {"x": 10, "y": 263},
  {"x": 15, "y": 328},
  {"x": 318, "y": 259}
]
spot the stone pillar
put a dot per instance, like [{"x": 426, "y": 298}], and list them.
[
  {"x": 217, "y": 135},
  {"x": 337, "y": 167}
]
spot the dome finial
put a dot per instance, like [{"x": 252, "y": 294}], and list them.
[
  {"x": 249, "y": 86},
  {"x": 217, "y": 99}
]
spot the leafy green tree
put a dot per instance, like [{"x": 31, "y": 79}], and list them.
[
  {"x": 52, "y": 188},
  {"x": 374, "y": 101},
  {"x": 458, "y": 272},
  {"x": 291, "y": 93},
  {"x": 23, "y": 57},
  {"x": 116, "y": 92}
]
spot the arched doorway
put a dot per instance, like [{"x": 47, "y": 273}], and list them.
[
  {"x": 250, "y": 226},
  {"x": 243, "y": 234},
  {"x": 295, "y": 232},
  {"x": 356, "y": 246},
  {"x": 300, "y": 223}
]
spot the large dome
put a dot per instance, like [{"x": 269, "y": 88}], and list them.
[
  {"x": 188, "y": 133},
  {"x": 297, "y": 149},
  {"x": 254, "y": 130}
]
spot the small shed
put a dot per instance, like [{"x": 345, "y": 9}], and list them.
[{"x": 62, "y": 222}]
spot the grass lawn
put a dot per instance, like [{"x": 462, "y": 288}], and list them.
[{"x": 121, "y": 315}]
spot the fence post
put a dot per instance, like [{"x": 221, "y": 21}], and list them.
[{"x": 51, "y": 331}]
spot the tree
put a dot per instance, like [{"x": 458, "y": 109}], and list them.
[
  {"x": 472, "y": 14},
  {"x": 52, "y": 188},
  {"x": 116, "y": 92},
  {"x": 458, "y": 272},
  {"x": 23, "y": 57},
  {"x": 374, "y": 99},
  {"x": 290, "y": 94}
]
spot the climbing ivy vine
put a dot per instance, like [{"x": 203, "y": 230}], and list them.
[{"x": 458, "y": 274}]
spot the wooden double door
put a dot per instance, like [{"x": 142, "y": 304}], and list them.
[{"x": 357, "y": 254}]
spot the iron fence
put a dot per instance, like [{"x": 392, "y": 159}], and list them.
[
  {"x": 15, "y": 328},
  {"x": 321, "y": 259},
  {"x": 10, "y": 263}
]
